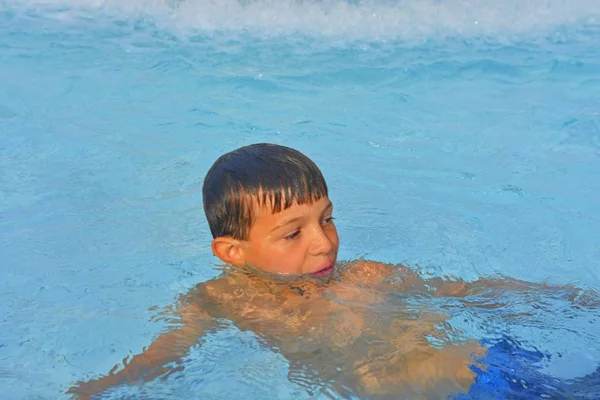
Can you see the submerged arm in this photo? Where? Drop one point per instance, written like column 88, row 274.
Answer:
column 497, row 285
column 483, row 286
column 153, row 362
column 400, row 277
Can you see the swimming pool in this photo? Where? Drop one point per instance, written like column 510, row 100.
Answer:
column 459, row 136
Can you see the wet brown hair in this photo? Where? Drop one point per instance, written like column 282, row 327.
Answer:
column 266, row 174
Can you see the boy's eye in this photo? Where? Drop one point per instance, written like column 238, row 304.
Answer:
column 328, row 220
column 292, row 235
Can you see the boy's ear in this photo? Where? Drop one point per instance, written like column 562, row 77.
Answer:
column 228, row 250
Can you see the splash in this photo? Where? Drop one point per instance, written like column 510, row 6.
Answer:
column 348, row 19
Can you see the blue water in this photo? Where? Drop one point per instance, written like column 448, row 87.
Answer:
column 460, row 137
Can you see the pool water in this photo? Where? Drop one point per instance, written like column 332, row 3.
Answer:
column 458, row 137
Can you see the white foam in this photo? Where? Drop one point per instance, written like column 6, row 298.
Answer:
column 348, row 19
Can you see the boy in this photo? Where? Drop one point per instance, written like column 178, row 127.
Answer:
column 272, row 222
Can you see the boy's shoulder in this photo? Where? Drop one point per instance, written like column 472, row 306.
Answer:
column 212, row 290
column 373, row 273
column 367, row 271
column 227, row 290
column 204, row 301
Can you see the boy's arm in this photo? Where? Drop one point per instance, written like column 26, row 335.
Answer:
column 169, row 347
column 497, row 285
column 494, row 286
column 404, row 278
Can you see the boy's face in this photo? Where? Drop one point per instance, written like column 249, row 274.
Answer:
column 299, row 240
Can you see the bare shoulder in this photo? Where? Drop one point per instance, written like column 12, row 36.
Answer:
column 367, row 271
column 199, row 303
column 222, row 297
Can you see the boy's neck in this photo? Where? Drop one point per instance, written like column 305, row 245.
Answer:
column 298, row 283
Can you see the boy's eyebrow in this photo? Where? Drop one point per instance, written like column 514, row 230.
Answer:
column 286, row 222
column 289, row 221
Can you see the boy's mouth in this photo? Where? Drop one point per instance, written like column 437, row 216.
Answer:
column 324, row 271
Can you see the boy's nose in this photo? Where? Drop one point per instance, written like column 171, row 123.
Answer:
column 321, row 243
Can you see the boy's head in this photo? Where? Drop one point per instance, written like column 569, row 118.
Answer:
column 268, row 207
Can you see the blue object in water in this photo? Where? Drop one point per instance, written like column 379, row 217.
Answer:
column 510, row 372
